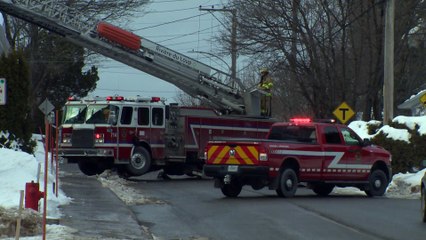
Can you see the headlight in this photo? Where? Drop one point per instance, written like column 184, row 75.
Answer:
column 66, row 138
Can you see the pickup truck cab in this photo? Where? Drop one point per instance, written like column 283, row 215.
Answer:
column 321, row 154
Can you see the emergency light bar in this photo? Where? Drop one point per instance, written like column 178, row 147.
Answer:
column 115, row 98
column 300, row 120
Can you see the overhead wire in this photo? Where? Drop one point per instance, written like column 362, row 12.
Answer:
column 169, row 11
column 187, row 34
column 174, row 21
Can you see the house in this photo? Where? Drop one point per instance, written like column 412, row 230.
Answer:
column 417, row 104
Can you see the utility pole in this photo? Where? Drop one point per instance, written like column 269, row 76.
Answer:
column 233, row 39
column 388, row 83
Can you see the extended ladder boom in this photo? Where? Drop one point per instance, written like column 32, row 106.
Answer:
column 195, row 78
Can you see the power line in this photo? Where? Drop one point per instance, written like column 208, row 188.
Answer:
column 172, row 35
column 169, row 11
column 174, row 21
column 188, row 34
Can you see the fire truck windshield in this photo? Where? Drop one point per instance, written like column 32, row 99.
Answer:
column 75, row 113
column 100, row 113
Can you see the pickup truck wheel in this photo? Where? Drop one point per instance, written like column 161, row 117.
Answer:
column 423, row 199
column 140, row 163
column 323, row 189
column 377, row 183
column 288, row 182
column 232, row 189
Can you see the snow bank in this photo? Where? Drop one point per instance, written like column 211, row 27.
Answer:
column 18, row 168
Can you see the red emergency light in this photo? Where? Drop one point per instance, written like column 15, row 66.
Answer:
column 155, row 99
column 72, row 98
column 116, row 98
column 300, row 120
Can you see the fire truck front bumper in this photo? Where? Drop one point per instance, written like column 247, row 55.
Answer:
column 220, row 171
column 85, row 152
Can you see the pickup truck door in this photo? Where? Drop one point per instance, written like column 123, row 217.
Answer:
column 345, row 159
column 357, row 159
column 334, row 150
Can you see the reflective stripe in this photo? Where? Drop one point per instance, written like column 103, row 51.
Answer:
column 334, row 164
column 244, row 155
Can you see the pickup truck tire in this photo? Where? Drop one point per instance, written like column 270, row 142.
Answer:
column 423, row 203
column 377, row 183
column 140, row 162
column 323, row 189
column 232, row 189
column 287, row 184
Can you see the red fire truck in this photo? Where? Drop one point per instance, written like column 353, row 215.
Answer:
column 144, row 134
column 139, row 134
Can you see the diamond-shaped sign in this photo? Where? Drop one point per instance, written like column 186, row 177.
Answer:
column 343, row 112
column 46, row 106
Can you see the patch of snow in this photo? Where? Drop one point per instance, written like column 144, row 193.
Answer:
column 122, row 188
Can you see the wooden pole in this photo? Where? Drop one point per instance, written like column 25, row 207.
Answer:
column 18, row 221
column 388, row 81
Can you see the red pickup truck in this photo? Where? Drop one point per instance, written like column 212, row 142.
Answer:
column 321, row 154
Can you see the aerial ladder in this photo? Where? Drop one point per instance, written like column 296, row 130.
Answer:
column 191, row 76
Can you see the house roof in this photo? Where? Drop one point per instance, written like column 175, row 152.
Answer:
column 413, row 102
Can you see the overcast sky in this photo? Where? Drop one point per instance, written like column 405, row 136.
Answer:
column 182, row 36
column 162, row 21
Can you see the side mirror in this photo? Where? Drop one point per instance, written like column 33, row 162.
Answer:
column 366, row 142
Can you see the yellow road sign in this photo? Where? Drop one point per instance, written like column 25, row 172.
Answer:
column 423, row 99
column 343, row 112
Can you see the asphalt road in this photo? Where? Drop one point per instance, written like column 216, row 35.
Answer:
column 193, row 209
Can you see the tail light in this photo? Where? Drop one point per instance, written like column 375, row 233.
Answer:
column 99, row 138
column 263, row 155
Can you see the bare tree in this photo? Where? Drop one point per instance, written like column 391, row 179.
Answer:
column 322, row 53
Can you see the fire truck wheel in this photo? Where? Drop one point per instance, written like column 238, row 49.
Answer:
column 323, row 189
column 288, row 182
column 423, row 199
column 140, row 163
column 89, row 168
column 377, row 183
column 233, row 189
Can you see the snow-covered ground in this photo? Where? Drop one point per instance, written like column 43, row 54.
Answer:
column 18, row 168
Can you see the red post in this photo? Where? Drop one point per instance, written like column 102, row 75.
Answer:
column 46, row 172
column 32, row 195
column 56, row 151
